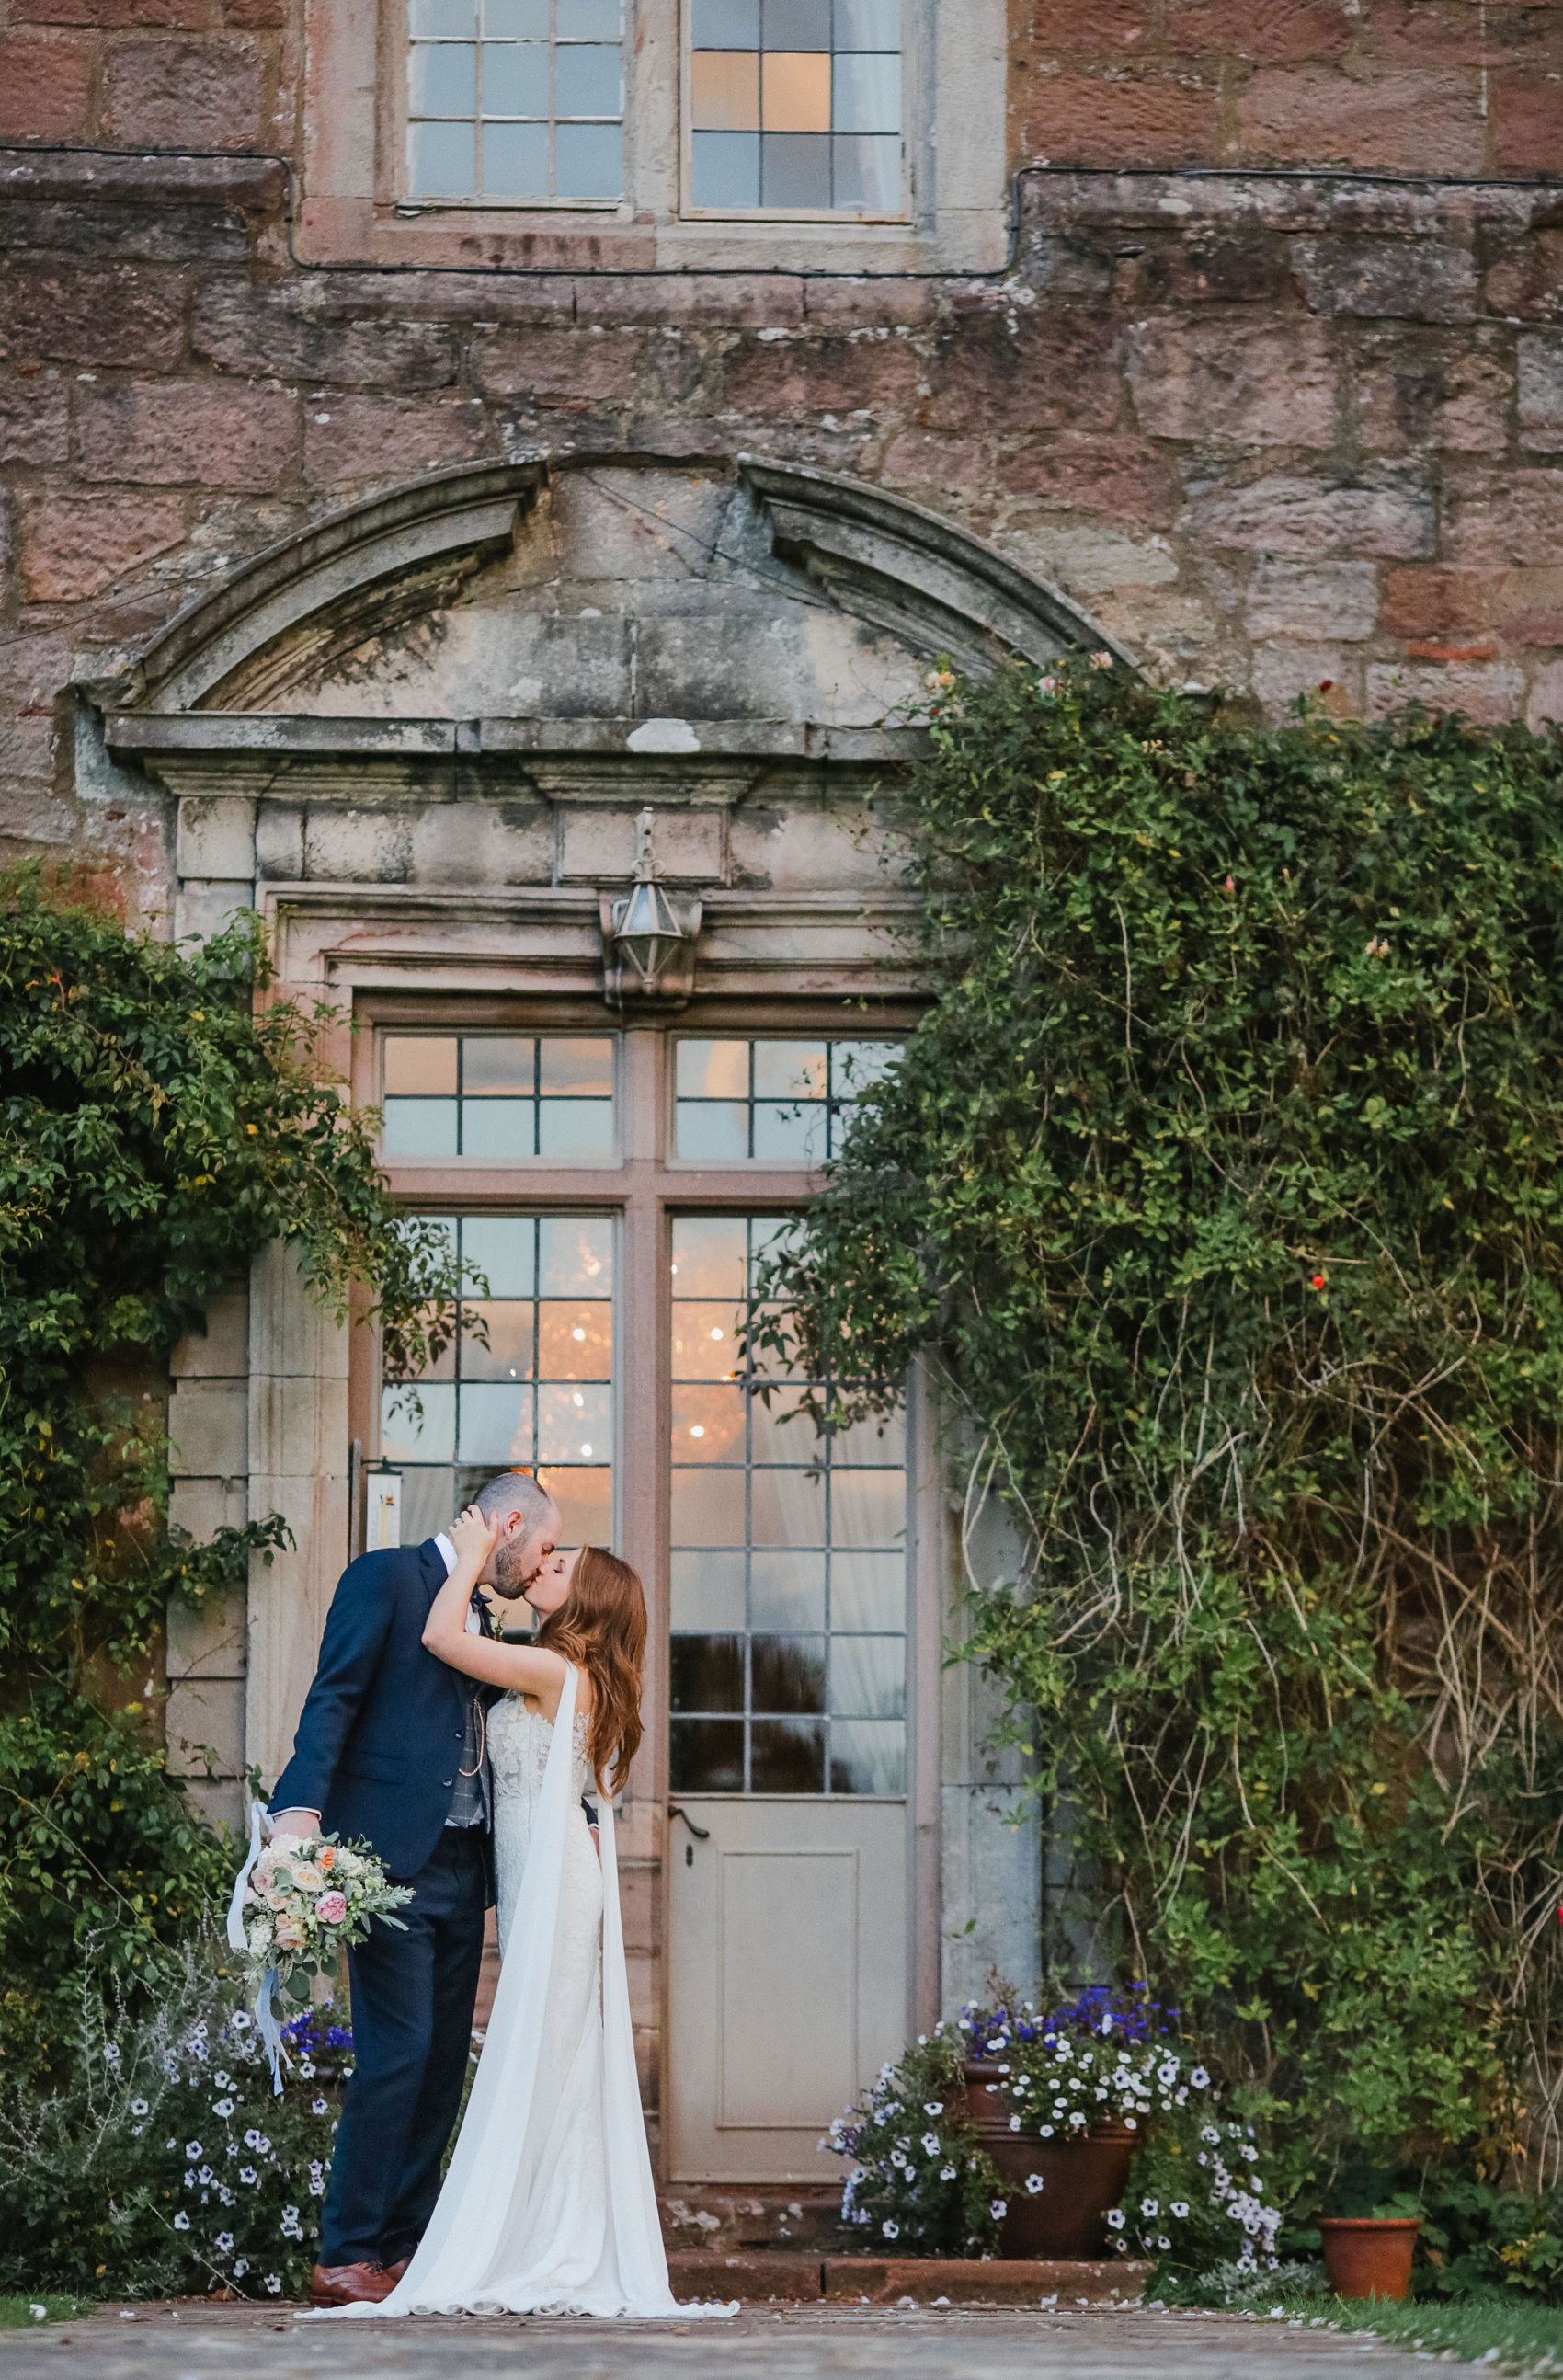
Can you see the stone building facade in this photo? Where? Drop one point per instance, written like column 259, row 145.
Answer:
column 404, row 488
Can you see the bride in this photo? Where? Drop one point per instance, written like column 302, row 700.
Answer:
column 548, row 2203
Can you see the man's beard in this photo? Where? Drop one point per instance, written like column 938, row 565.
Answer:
column 510, row 1580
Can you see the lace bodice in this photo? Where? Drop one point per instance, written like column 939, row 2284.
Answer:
column 519, row 1742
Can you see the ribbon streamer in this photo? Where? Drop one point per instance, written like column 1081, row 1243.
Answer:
column 270, row 2031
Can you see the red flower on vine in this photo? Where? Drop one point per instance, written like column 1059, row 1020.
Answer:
column 1318, row 1280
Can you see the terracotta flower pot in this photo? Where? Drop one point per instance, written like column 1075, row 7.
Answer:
column 1369, row 2255
column 1081, row 2178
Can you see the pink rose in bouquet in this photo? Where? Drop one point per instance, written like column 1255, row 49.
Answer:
column 332, row 1908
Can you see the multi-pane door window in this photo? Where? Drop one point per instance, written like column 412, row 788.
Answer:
column 526, row 1382
column 788, row 1661
column 498, row 1094
column 770, row 1102
column 795, row 106
column 516, row 99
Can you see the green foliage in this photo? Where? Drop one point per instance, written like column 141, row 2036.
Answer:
column 918, row 2184
column 1221, row 1185
column 1487, row 2238
column 158, row 1124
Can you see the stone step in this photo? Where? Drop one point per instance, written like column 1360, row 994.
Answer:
column 760, row 2275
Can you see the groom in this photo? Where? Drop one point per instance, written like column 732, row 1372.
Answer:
column 391, row 1746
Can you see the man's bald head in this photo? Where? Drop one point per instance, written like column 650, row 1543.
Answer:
column 527, row 1520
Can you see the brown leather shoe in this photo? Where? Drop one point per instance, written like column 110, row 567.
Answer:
column 393, row 2272
column 350, row 2284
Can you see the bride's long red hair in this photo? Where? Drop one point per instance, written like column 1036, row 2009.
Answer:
column 600, row 1626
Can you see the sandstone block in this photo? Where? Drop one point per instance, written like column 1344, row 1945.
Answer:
column 825, row 375
column 208, row 1428
column 174, row 95
column 141, row 15
column 1312, row 602
column 34, row 421
column 1207, row 268
column 1489, row 692
column 737, row 301
column 216, row 835
column 1062, row 373
column 390, row 438
column 205, row 1723
column 209, row 1644
column 1545, row 707
column 1499, row 516
column 591, row 364
column 1385, row 509
column 1527, row 121
column 1092, row 562
column 167, row 432
column 1439, row 602
column 294, row 332
column 93, row 315
column 1123, row 119
column 1282, row 672
column 1108, row 29
column 279, row 842
column 33, row 671
column 1540, row 389
column 1402, row 118
column 483, row 843
column 221, row 1350
column 27, row 750
column 1526, row 279
column 201, row 1507
column 1252, row 384
column 358, row 845
column 847, row 305
column 1417, row 281
column 255, row 15
column 75, row 546
column 919, row 459
column 1287, row 29
column 599, row 845
column 45, row 88
column 1125, row 477
column 1417, row 390
column 973, row 2281
column 205, row 906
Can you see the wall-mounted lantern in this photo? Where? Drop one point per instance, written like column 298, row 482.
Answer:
column 648, row 936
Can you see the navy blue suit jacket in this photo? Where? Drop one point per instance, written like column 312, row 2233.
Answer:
column 381, row 1734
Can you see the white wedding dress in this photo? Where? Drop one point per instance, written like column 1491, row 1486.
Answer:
column 549, row 2206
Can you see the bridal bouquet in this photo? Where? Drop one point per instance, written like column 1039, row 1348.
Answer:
column 305, row 1901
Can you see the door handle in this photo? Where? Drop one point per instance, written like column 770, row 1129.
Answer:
column 701, row 1834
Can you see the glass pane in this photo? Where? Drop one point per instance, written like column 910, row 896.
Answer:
column 867, row 24
column 407, row 1437
column 516, row 159
column 575, row 1128
column 580, row 1070
column 868, row 1590
column 424, row 1065
column 507, row 1326
column 725, row 24
column 515, row 83
column 868, row 172
column 516, row 20
column 868, row 1508
column 711, row 1070
column 496, row 1424
column 797, row 24
column 586, row 1504
column 451, row 20
column 498, row 1249
column 575, row 1342
column 428, row 1502
column 866, row 94
column 788, row 1507
column 704, row 1342
column 855, row 1065
column 419, row 1128
column 790, row 1070
column 576, row 1425
column 589, row 20
column 708, row 1256
column 588, row 161
column 786, row 1591
column 714, row 1131
column 786, row 1755
column 880, row 1438
column 706, row 1756
column 796, row 88
column 867, row 1755
column 442, row 78
column 501, row 1128
column 790, row 1135
column 586, row 80
column 787, row 1673
column 724, row 92
column 707, row 1424
column 706, row 1673
column 708, row 1508
column 796, row 170
column 443, row 1366
column 780, row 1433
column 576, row 1255
column 869, row 1676
column 499, row 1062
column 442, row 160
column 707, row 1590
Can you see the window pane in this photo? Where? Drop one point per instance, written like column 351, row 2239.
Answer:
column 708, row 1257
column 442, row 78
column 499, row 1249
column 499, row 1062
column 880, row 1438
column 405, row 1437
column 792, row 1070
column 586, row 79
column 780, row 1433
column 796, row 170
column 586, row 1504
column 516, row 159
column 496, row 1424
column 786, row 1591
column 708, row 1508
column 786, row 1755
column 421, row 1128
column 516, row 20
column 787, row 1673
column 790, row 1135
column 714, row 1131
column 869, row 1676
column 581, row 1070
column 508, row 1325
column 724, row 92
column 706, row 1673
column 587, row 162
column 868, row 1508
column 866, row 94
column 788, row 1507
column 575, row 1342
column 704, row 1342
column 707, row 1590
column 797, row 24
column 706, row 1755
column 502, row 1128
column 442, row 160
column 868, row 1590
column 725, row 24
column 589, row 20
column 867, row 173
column 867, row 24
column 796, row 92
column 515, row 83
column 451, row 20
column 443, row 1366
column 575, row 1128
column 868, row 1756
column 428, row 1502
column 576, row 1255
column 574, row 1424
column 707, row 1424
column 423, row 1065
column 711, row 1070
column 855, row 1065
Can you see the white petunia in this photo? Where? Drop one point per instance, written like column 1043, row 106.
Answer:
column 181, row 2221
column 248, row 2174
column 1014, row 2123
column 1180, row 2209
column 998, row 2208
column 947, row 2173
column 140, row 2108
column 931, row 2144
column 933, row 2107
column 224, row 2108
column 1115, row 2219
column 1151, row 2207
column 317, row 2106
column 891, row 2231
column 192, row 2148
column 224, row 2243
column 1200, row 2079
column 273, row 2283
column 1034, row 2183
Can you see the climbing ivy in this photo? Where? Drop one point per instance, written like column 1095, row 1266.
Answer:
column 1221, row 1186
column 160, row 1122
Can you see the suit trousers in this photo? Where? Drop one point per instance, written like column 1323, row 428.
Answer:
column 413, row 2000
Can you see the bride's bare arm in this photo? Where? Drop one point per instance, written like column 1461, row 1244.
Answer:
column 521, row 1669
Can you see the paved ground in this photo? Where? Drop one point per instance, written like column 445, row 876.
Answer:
column 800, row 2343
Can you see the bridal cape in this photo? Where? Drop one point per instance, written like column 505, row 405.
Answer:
column 474, row 2258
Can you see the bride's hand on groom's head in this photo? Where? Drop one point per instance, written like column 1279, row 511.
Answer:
column 471, row 1535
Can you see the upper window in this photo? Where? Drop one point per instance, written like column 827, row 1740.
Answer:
column 770, row 1102
column 498, row 1096
column 794, row 107
column 517, row 99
